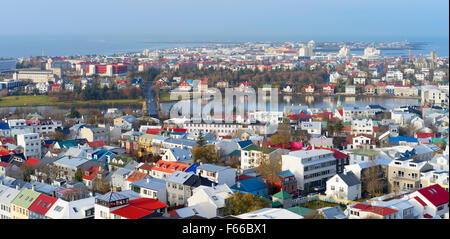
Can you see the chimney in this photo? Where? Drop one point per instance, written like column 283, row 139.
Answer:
column 239, row 184
column 148, row 180
column 17, row 187
column 33, row 187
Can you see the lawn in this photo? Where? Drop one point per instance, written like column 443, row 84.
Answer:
column 316, row 204
column 29, row 100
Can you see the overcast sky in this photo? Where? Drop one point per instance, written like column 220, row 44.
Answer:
column 224, row 19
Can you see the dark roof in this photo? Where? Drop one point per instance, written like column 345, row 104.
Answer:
column 349, row 178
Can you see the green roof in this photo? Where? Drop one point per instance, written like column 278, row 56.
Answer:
column 254, row 147
column 282, row 195
column 276, row 204
column 34, row 116
column 235, row 153
column 67, row 143
column 302, row 211
column 25, row 198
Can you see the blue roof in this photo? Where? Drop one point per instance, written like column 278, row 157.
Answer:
column 285, row 174
column 245, row 143
column 130, row 118
column 403, row 138
column 250, row 185
column 50, row 141
column 150, row 183
column 192, row 168
column 4, row 126
column 212, row 167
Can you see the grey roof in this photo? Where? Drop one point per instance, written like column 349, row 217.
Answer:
column 185, row 142
column 333, row 212
column 122, row 171
column 211, row 167
column 181, row 154
column 71, row 162
column 151, row 183
column 179, row 177
column 112, row 196
column 349, row 178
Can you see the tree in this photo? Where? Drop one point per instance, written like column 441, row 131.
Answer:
column 239, row 203
column 100, row 186
column 372, row 178
column 60, row 136
column 206, row 154
column 268, row 167
column 200, row 140
column 280, row 139
column 74, row 113
column 79, row 175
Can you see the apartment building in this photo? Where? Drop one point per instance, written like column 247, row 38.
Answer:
column 404, row 173
column 95, row 134
column 312, row 168
column 31, row 144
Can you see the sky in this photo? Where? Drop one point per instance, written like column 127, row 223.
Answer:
column 229, row 19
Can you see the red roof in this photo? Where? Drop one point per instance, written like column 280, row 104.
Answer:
column 42, row 204
column 420, row 201
column 96, row 144
column 424, row 135
column 153, row 131
column 91, row 173
column 31, row 162
column 147, row 203
column 135, row 176
column 139, row 208
column 383, row 211
column 426, row 215
column 6, row 152
column 169, row 167
column 146, row 167
column 436, row 194
column 3, row 164
column 132, row 212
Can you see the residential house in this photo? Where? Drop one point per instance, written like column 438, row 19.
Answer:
column 344, row 186
column 431, row 201
column 211, row 200
column 217, row 174
column 151, row 188
column 255, row 186
column 180, row 186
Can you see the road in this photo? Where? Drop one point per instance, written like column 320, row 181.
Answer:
column 152, row 109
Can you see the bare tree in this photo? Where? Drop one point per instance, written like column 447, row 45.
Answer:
column 373, row 180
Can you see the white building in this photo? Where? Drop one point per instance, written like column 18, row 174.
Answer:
column 311, row 168
column 95, row 134
column 7, row 194
column 217, row 174
column 434, row 96
column 270, row 213
column 211, row 200
column 313, row 128
column 362, row 126
column 36, row 76
column 344, row 186
column 31, row 144
column 430, row 202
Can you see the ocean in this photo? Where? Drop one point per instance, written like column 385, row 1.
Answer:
column 24, row 46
